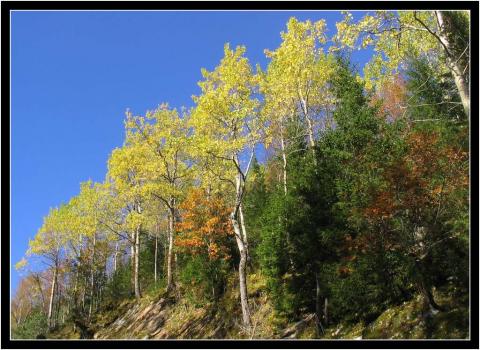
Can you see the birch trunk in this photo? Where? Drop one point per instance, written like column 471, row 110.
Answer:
column 92, row 277
column 244, row 230
column 311, row 138
column 156, row 256
column 284, row 157
column 56, row 307
column 171, row 219
column 240, row 236
column 242, row 273
column 454, row 64
column 52, row 296
column 115, row 257
column 132, row 260
column 137, row 259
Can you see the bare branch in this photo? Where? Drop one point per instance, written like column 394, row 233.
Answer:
column 432, row 32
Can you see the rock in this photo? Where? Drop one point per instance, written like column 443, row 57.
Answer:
column 338, row 330
column 298, row 327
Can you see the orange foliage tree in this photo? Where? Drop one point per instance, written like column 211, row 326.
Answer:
column 414, row 211
column 419, row 183
column 392, row 98
column 205, row 227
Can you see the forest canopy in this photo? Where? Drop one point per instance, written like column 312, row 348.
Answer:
column 361, row 203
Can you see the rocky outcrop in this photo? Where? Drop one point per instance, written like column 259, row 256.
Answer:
column 140, row 321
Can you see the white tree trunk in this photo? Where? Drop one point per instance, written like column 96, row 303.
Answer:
column 284, row 157
column 156, row 256
column 52, row 296
column 242, row 247
column 242, row 272
column 171, row 218
column 244, row 229
column 115, row 257
column 92, row 277
column 137, row 260
column 311, row 137
column 132, row 260
column 459, row 73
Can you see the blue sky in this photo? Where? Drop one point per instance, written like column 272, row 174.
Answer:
column 75, row 73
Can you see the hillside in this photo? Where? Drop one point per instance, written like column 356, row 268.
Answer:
column 306, row 200
column 166, row 318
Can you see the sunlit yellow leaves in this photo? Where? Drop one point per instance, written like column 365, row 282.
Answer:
column 54, row 233
column 394, row 36
column 226, row 119
column 299, row 70
column 21, row 264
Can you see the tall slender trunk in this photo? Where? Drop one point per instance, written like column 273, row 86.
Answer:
column 137, row 259
column 244, row 230
column 170, row 267
column 56, row 308
column 132, row 260
column 115, row 257
column 156, row 255
column 92, row 276
column 325, row 311
column 242, row 272
column 84, row 293
column 318, row 307
column 52, row 296
column 453, row 63
column 240, row 236
column 311, row 137
column 284, row 157
column 310, row 134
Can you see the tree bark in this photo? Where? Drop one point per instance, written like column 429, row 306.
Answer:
column 156, row 256
column 56, row 307
column 52, row 296
column 325, row 311
column 132, row 260
column 311, row 138
column 284, row 157
column 244, row 230
column 137, row 260
column 115, row 257
column 318, row 307
column 425, row 289
column 92, row 277
column 240, row 236
column 242, row 273
column 453, row 63
column 170, row 267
